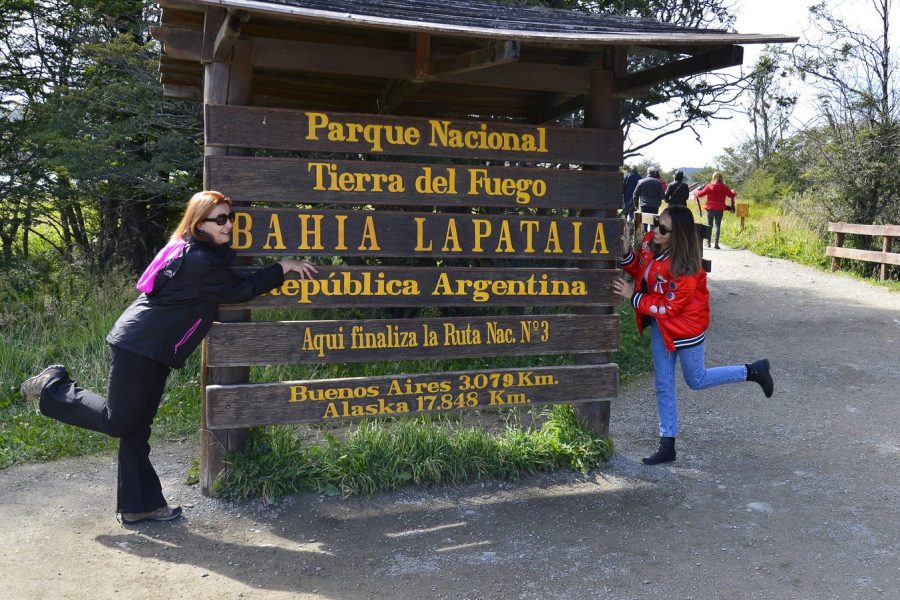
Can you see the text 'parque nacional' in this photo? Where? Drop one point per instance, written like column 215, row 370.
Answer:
column 440, row 133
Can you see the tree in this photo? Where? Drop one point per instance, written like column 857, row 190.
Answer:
column 92, row 148
column 853, row 151
column 678, row 104
column 770, row 105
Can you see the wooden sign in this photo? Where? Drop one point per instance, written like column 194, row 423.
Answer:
column 249, row 405
column 742, row 210
column 304, row 130
column 344, row 287
column 313, row 181
column 303, row 342
column 258, row 231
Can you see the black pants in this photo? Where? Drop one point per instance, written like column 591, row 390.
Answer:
column 135, row 389
column 714, row 216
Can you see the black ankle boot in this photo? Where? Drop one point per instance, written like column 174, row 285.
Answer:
column 759, row 372
column 664, row 453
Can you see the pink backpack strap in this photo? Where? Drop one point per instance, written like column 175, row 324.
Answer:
column 169, row 252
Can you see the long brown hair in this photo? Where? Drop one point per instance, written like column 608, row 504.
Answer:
column 198, row 208
column 684, row 246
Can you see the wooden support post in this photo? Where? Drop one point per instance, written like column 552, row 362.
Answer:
column 227, row 82
column 885, row 247
column 836, row 260
column 601, row 110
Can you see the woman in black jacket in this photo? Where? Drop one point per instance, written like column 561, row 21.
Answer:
column 182, row 288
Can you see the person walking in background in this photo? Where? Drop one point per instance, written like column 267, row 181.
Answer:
column 670, row 296
column 628, row 184
column 648, row 193
column 716, row 192
column 661, row 181
column 181, row 291
column 678, row 191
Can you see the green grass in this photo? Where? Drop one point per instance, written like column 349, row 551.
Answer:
column 769, row 231
column 381, row 455
column 67, row 322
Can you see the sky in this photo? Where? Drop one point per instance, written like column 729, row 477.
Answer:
column 788, row 17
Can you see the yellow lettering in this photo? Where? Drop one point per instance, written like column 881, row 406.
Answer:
column 553, row 240
column 241, row 232
column 315, row 232
column 420, row 235
column 599, row 239
column 482, row 231
column 314, row 122
column 274, row 235
column 341, row 220
column 369, row 236
column 451, row 239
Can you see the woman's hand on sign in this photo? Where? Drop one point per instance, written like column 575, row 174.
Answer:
column 302, row 267
column 623, row 288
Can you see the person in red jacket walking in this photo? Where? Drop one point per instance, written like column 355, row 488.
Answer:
column 716, row 191
column 670, row 296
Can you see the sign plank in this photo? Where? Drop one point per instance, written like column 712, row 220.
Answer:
column 346, row 287
column 304, row 130
column 259, row 231
column 331, row 399
column 326, row 181
column 303, row 342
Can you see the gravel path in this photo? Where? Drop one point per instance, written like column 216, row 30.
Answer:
column 796, row 496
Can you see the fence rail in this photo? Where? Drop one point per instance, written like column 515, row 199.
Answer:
column 885, row 257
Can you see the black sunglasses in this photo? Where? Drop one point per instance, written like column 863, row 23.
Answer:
column 222, row 218
column 663, row 230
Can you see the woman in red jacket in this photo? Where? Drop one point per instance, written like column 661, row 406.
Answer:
column 670, row 295
column 716, row 191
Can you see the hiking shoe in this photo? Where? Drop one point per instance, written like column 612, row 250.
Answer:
column 163, row 513
column 33, row 386
column 759, row 372
column 665, row 452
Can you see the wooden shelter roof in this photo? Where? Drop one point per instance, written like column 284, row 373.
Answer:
column 428, row 57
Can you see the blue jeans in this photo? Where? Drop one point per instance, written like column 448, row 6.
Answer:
column 696, row 375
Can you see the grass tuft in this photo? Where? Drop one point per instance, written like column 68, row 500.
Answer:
column 384, row 455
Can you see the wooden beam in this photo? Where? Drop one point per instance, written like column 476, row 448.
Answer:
column 228, row 34
column 395, row 93
column 212, row 22
column 226, row 82
column 307, row 57
column 637, row 83
column 422, row 56
column 557, row 107
column 489, row 56
column 182, row 92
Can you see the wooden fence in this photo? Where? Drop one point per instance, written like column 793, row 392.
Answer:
column 885, row 257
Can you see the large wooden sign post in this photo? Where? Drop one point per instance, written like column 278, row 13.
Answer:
column 422, row 150
column 542, row 247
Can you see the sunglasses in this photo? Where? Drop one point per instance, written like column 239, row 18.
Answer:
column 663, row 230
column 222, row 218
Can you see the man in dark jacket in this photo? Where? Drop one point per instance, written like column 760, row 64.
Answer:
column 628, row 185
column 678, row 191
column 648, row 194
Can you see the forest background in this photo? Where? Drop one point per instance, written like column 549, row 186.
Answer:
column 95, row 165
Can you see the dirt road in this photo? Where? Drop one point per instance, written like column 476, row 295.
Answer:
column 797, row 496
